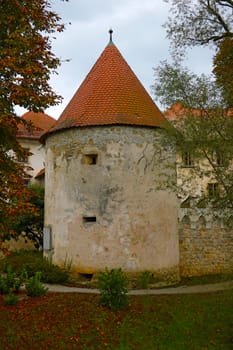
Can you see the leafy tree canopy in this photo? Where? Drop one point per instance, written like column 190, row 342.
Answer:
column 202, row 124
column 30, row 225
column 199, row 22
column 26, row 62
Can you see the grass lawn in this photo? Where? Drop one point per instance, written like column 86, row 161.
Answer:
column 77, row 321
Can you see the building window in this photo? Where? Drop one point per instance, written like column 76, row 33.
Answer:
column 89, row 219
column 90, row 159
column 213, row 190
column 187, row 159
column 218, row 158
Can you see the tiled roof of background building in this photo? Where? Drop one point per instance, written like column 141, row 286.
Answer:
column 40, row 122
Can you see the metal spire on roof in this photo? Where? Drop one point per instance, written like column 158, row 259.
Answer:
column 110, row 33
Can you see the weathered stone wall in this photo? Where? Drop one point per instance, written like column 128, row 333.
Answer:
column 117, row 212
column 206, row 244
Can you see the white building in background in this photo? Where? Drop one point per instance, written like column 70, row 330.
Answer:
column 30, row 140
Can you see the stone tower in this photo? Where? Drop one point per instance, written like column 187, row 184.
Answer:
column 106, row 201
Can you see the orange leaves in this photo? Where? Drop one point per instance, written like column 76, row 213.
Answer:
column 25, row 52
column 26, row 61
column 223, row 68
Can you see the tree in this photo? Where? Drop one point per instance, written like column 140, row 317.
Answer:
column 26, row 62
column 30, row 225
column 199, row 22
column 205, row 22
column 223, row 69
column 202, row 124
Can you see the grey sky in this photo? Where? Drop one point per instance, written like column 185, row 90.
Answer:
column 138, row 34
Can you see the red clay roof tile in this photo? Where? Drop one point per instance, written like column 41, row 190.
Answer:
column 41, row 123
column 110, row 94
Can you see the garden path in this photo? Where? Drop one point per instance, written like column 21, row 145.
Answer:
column 204, row 288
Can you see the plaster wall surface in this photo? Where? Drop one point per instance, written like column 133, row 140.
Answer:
column 37, row 159
column 193, row 180
column 117, row 212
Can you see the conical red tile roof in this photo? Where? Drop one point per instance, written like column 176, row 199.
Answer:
column 110, row 94
column 41, row 123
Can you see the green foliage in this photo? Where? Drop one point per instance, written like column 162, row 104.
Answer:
column 33, row 261
column 30, row 225
column 34, row 287
column 201, row 22
column 3, row 285
column 175, row 83
column 11, row 282
column 11, row 299
column 112, row 285
column 145, row 279
column 49, row 273
column 200, row 125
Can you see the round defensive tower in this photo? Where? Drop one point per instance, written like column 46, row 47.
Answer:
column 107, row 199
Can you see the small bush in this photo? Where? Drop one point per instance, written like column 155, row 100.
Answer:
column 3, row 285
column 49, row 273
column 33, row 261
column 34, row 287
column 113, row 289
column 11, row 282
column 19, row 258
column 145, row 279
column 11, row 299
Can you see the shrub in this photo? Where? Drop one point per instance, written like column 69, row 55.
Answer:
column 49, row 273
column 3, row 285
column 34, row 287
column 113, row 289
column 145, row 279
column 11, row 282
column 10, row 299
column 19, row 258
column 33, row 261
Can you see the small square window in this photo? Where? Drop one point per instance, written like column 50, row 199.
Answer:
column 187, row 159
column 90, row 159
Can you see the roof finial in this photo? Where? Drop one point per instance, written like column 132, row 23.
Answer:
column 110, row 33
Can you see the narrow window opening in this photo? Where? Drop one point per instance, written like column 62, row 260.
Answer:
column 188, row 160
column 218, row 158
column 86, row 276
column 90, row 159
column 213, row 190
column 87, row 219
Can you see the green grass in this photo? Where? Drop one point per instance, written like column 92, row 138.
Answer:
column 74, row 321
column 207, row 279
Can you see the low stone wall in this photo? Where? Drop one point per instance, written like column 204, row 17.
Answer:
column 206, row 245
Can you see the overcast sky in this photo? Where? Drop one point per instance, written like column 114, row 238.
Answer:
column 137, row 32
